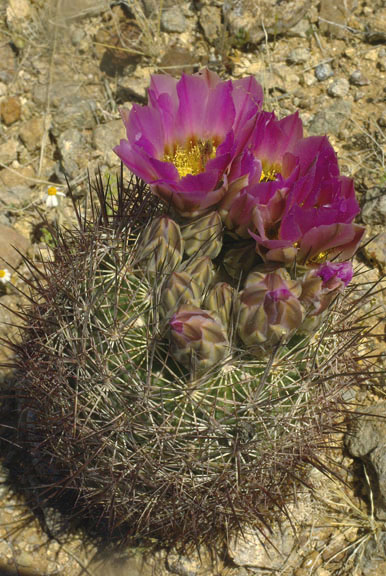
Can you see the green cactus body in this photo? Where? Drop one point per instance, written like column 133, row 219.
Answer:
column 159, row 435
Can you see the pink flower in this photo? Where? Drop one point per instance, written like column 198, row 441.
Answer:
column 310, row 217
column 184, row 141
column 271, row 141
column 321, row 285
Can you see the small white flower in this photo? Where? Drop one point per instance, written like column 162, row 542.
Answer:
column 51, row 197
column 5, row 275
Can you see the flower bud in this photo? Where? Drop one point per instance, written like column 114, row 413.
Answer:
column 203, row 236
column 198, row 338
column 160, row 248
column 202, row 271
column 220, row 299
column 320, row 286
column 269, row 308
column 179, row 289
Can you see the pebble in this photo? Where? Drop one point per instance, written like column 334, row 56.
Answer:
column 331, row 119
column 172, row 20
column 10, row 110
column 210, row 21
column 105, row 137
column 12, row 245
column 339, row 88
column 72, row 145
column 299, row 56
column 8, row 151
column 358, row 79
column 7, row 63
column 323, row 71
column 31, row 133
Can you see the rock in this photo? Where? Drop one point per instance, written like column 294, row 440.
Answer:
column 358, row 79
column 7, row 63
column 194, row 564
column 210, row 22
column 31, row 133
column 15, row 196
column 19, row 176
column 366, row 439
column 8, row 151
column 72, row 146
column 375, row 252
column 300, row 30
column 179, row 59
column 80, row 116
column 105, row 137
column 244, row 18
column 173, row 20
column 11, row 243
column 374, row 208
column 81, row 8
column 10, row 110
column 253, row 550
column 333, row 17
column 132, row 88
column 277, row 76
column 339, row 88
column 18, row 11
column 323, row 71
column 375, row 32
column 299, row 56
column 331, row 119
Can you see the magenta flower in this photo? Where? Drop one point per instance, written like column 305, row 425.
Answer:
column 310, row 217
column 268, row 169
column 184, row 141
column 321, row 285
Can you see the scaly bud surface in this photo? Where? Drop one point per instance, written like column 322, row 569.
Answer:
column 220, row 299
column 203, row 236
column 269, row 308
column 202, row 271
column 160, row 248
column 198, row 338
column 180, row 289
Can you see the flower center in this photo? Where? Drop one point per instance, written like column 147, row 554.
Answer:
column 269, row 174
column 52, row 191
column 2, row 273
column 192, row 158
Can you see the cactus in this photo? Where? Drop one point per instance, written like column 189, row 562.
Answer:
column 151, row 409
column 188, row 346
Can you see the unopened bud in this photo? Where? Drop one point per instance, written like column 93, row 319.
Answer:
column 220, row 299
column 198, row 338
column 179, row 289
column 202, row 271
column 203, row 236
column 269, row 309
column 160, row 248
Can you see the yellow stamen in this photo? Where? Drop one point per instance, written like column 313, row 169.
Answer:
column 192, row 158
column 3, row 273
column 319, row 258
column 269, row 173
column 52, row 191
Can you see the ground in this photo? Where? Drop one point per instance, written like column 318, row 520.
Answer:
column 65, row 70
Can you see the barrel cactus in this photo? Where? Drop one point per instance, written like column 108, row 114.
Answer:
column 180, row 365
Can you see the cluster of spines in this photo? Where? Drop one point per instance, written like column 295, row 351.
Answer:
column 158, row 452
